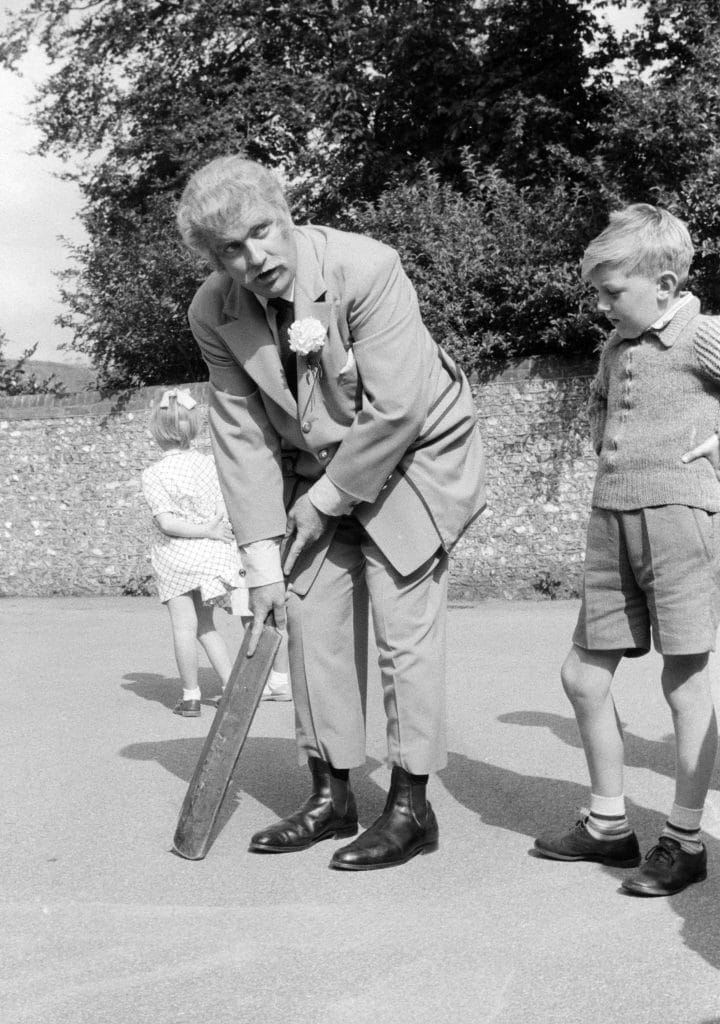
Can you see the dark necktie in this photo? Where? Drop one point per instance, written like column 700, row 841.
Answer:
column 284, row 315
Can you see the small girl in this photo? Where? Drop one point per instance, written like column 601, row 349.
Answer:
column 194, row 557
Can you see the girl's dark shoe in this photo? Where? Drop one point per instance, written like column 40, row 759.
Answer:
column 667, row 869
column 576, row 843
column 187, row 708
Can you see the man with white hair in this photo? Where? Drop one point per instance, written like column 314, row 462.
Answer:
column 348, row 450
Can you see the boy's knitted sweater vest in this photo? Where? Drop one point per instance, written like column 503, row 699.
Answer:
column 654, row 398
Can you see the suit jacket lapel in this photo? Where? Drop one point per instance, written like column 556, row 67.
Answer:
column 310, row 290
column 248, row 333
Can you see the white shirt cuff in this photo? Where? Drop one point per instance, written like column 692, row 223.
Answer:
column 330, row 499
column 261, row 561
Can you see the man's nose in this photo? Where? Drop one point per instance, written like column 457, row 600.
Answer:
column 253, row 253
column 602, row 304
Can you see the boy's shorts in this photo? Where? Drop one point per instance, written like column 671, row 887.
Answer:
column 649, row 568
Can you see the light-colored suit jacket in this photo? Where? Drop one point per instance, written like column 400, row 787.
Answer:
column 390, row 418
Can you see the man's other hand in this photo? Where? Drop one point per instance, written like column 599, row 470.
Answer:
column 305, row 525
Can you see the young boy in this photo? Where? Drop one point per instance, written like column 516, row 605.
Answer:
column 653, row 549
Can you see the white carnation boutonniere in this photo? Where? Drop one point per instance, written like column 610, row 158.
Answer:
column 307, row 338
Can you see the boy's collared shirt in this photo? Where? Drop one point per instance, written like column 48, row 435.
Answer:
column 664, row 320
column 659, row 327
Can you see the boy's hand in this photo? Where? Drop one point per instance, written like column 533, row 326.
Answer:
column 262, row 600
column 305, row 524
column 709, row 449
column 219, row 528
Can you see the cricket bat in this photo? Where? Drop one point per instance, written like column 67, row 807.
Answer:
column 224, row 744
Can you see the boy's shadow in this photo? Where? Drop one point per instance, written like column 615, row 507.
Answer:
column 267, row 771
column 656, row 755
column 529, row 805
column 166, row 690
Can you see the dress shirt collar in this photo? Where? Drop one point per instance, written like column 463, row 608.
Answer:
column 289, row 296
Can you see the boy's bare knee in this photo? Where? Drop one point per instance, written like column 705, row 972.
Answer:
column 586, row 675
column 686, row 682
column 572, row 678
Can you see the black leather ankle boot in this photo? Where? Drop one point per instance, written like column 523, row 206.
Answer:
column 406, row 827
column 328, row 812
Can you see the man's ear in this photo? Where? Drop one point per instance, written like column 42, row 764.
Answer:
column 667, row 285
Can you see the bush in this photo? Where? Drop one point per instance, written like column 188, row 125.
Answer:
column 495, row 268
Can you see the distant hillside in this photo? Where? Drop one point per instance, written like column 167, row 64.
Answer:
column 73, row 377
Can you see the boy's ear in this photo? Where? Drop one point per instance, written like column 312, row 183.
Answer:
column 667, row 284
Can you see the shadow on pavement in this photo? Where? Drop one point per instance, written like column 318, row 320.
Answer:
column 506, row 799
column 696, row 905
column 167, row 690
column 657, row 755
column 267, row 771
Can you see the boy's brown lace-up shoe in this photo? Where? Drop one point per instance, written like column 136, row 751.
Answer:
column 577, row 844
column 667, row 869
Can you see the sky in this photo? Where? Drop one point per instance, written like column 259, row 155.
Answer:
column 36, row 210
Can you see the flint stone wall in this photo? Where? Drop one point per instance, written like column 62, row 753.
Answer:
column 73, row 519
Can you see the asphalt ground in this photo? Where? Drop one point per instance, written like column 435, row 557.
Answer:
column 100, row 922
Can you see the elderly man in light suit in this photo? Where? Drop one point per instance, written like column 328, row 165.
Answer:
column 351, row 462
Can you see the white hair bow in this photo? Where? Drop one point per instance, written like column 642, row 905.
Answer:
column 183, row 398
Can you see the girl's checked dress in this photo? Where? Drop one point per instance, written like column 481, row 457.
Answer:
column 184, row 483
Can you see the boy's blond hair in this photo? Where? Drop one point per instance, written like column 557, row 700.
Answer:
column 174, row 426
column 642, row 239
column 219, row 194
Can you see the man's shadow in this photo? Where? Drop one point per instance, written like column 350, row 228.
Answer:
column 531, row 805
column 267, row 771
column 167, row 690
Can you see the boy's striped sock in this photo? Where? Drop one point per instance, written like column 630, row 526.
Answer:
column 683, row 824
column 606, row 818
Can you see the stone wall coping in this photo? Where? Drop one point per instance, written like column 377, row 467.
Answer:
column 99, row 403
column 88, row 403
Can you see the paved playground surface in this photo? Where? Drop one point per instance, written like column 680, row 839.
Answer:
column 101, row 924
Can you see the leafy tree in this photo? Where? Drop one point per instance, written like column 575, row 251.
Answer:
column 661, row 142
column 671, row 33
column 544, row 84
column 362, row 105
column 144, row 92
column 127, row 303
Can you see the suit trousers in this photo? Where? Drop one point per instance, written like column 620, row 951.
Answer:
column 328, row 648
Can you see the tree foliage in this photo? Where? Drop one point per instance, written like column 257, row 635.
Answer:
column 491, row 286
column 127, row 304
column 15, row 379
column 487, row 141
column 662, row 138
